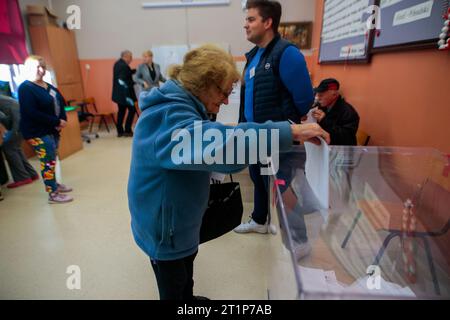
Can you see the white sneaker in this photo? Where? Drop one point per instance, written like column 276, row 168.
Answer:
column 301, row 250
column 251, row 226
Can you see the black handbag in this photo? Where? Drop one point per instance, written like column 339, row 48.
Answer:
column 224, row 212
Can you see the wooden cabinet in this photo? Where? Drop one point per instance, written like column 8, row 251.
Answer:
column 70, row 136
column 71, row 91
column 58, row 47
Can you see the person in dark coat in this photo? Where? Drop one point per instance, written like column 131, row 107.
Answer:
column 334, row 114
column 123, row 93
column 21, row 170
column 3, row 173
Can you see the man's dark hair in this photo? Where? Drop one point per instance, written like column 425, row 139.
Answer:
column 267, row 9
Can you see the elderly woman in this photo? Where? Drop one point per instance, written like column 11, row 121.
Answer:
column 168, row 190
column 148, row 74
column 42, row 117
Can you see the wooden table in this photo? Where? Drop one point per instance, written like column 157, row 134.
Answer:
column 71, row 135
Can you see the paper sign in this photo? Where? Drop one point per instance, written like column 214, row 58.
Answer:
column 418, row 12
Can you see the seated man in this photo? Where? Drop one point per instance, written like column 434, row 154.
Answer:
column 3, row 173
column 21, row 170
column 334, row 114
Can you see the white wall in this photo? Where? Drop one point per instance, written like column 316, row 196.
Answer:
column 110, row 26
column 298, row 10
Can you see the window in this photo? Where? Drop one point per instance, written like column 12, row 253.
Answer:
column 14, row 74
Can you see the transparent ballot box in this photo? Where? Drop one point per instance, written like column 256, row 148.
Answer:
column 359, row 223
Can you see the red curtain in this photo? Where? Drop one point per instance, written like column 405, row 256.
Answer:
column 13, row 49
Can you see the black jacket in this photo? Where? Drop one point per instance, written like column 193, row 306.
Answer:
column 10, row 108
column 120, row 93
column 341, row 122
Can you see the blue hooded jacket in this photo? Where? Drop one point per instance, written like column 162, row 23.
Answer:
column 167, row 197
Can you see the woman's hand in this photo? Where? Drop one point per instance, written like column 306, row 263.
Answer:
column 309, row 132
column 62, row 124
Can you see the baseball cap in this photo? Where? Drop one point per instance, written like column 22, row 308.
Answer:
column 327, row 84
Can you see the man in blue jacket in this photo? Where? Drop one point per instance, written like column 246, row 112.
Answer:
column 276, row 87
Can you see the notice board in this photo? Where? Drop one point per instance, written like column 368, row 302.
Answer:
column 345, row 36
column 409, row 23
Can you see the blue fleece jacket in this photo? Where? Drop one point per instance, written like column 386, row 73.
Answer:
column 167, row 199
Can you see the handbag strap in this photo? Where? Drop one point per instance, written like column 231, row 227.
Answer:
column 219, row 182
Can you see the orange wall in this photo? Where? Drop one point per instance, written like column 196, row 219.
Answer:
column 402, row 97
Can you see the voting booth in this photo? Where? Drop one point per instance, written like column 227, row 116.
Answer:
column 375, row 219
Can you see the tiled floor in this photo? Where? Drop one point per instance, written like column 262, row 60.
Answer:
column 38, row 241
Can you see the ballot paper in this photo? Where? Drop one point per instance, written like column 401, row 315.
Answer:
column 317, row 172
column 309, row 117
column 313, row 280
column 321, row 281
column 334, row 286
column 383, row 288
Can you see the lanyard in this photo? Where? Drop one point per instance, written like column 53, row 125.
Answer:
column 53, row 94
